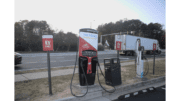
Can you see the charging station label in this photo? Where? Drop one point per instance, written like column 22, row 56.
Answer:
column 90, row 39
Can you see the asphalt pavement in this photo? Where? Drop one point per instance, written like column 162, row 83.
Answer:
column 32, row 61
column 158, row 94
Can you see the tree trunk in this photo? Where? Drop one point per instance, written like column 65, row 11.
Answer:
column 68, row 47
column 57, row 48
column 29, row 48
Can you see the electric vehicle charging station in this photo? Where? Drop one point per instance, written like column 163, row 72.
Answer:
column 139, row 62
column 87, row 60
column 139, row 59
column 88, row 44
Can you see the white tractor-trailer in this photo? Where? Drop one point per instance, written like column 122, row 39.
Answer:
column 128, row 44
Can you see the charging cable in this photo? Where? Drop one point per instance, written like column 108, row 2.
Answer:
column 73, row 76
column 105, row 80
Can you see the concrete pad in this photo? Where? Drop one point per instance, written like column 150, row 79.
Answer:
column 20, row 78
column 91, row 88
column 88, row 97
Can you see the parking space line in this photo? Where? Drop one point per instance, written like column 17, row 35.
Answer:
column 126, row 96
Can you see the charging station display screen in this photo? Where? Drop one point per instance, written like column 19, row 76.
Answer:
column 89, row 53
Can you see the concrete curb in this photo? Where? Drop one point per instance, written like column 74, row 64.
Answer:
column 131, row 88
column 120, row 90
column 137, row 93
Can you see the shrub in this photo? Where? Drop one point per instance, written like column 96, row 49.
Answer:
column 100, row 47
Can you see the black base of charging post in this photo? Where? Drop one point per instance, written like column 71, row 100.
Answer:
column 49, row 73
column 154, row 64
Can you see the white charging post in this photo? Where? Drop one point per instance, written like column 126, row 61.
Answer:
column 139, row 62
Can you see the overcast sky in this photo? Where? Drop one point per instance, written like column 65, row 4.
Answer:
column 71, row 15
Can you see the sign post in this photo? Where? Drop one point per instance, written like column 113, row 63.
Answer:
column 47, row 41
column 154, row 49
column 118, row 46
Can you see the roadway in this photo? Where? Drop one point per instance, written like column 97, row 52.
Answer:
column 158, row 95
column 32, row 61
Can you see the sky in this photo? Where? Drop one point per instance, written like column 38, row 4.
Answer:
column 72, row 15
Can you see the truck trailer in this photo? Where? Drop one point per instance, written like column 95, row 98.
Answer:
column 128, row 44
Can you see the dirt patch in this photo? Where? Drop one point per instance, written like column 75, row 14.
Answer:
column 39, row 90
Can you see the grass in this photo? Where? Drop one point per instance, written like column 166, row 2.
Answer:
column 38, row 89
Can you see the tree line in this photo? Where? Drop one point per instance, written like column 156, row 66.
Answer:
column 28, row 37
column 152, row 30
column 28, row 34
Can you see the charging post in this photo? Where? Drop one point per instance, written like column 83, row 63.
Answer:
column 88, row 44
column 140, row 62
column 118, row 47
column 47, row 42
column 87, row 62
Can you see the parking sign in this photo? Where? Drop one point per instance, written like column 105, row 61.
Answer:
column 118, row 45
column 47, row 41
column 154, row 46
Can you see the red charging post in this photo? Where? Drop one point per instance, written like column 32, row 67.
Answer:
column 47, row 42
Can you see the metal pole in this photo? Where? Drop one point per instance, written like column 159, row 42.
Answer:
column 49, row 73
column 154, row 63
column 101, row 39
column 119, row 63
column 118, row 56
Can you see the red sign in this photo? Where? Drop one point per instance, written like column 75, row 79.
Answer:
column 118, row 45
column 154, row 46
column 47, row 42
